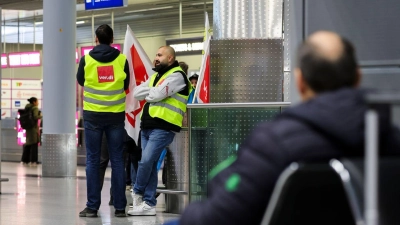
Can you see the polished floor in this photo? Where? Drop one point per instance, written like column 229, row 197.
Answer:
column 29, row 198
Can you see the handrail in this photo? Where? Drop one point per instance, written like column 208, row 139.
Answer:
column 239, row 105
column 172, row 191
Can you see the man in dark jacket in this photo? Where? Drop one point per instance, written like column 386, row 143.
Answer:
column 328, row 124
column 104, row 74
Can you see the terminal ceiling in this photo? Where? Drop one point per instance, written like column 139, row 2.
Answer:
column 24, row 13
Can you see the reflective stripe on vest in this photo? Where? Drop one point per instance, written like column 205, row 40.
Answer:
column 104, row 85
column 170, row 109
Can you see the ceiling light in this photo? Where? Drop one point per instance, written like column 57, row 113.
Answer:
column 77, row 22
column 151, row 9
column 201, row 3
column 94, row 15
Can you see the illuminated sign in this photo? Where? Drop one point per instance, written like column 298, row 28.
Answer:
column 85, row 50
column 5, row 103
column 5, row 93
column 26, row 84
column 5, row 113
column 76, row 55
column 21, row 103
column 104, row 4
column 187, row 46
column 27, row 94
column 4, row 61
column 5, row 84
column 24, row 59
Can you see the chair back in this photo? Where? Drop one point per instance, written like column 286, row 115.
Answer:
column 309, row 194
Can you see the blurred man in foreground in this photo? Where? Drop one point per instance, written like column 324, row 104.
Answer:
column 328, row 124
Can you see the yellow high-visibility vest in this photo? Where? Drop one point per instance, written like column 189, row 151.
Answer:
column 173, row 108
column 104, row 85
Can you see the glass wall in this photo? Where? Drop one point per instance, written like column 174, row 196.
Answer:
column 216, row 134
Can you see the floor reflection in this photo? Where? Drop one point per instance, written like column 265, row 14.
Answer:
column 29, row 198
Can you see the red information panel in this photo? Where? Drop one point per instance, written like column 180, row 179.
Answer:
column 24, row 59
column 4, row 61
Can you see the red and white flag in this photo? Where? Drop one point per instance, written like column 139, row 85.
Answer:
column 140, row 68
column 203, row 83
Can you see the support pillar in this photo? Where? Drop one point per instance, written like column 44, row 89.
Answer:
column 59, row 150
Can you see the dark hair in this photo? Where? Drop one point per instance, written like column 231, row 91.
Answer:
column 322, row 74
column 105, row 34
column 184, row 67
column 194, row 76
column 32, row 100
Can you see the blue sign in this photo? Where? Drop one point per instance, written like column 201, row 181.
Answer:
column 17, row 103
column 104, row 4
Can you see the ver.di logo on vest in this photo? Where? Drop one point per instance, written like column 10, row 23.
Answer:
column 105, row 74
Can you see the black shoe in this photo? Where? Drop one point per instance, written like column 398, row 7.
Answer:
column 120, row 213
column 88, row 213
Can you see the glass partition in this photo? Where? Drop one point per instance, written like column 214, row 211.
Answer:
column 215, row 134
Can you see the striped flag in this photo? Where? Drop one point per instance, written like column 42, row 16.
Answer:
column 140, row 68
column 203, row 83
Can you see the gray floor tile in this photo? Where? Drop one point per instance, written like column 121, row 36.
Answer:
column 29, row 198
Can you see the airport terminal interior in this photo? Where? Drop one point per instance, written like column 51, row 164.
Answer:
column 244, row 52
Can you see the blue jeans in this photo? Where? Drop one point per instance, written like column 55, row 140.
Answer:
column 153, row 143
column 172, row 222
column 115, row 140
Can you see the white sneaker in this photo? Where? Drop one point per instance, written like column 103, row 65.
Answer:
column 137, row 200
column 143, row 210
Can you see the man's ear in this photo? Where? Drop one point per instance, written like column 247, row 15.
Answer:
column 300, row 83
column 303, row 88
column 170, row 58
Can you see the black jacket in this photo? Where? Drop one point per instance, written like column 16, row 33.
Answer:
column 102, row 53
column 328, row 126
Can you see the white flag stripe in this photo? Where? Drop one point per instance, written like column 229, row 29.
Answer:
column 206, row 52
column 202, row 70
column 131, row 103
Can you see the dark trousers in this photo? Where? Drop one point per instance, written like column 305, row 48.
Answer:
column 104, row 159
column 30, row 153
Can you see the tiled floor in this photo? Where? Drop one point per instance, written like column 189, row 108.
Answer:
column 29, row 198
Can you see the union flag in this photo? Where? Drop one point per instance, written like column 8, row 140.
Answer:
column 140, row 68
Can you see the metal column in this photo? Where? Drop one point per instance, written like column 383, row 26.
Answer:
column 59, row 139
column 0, row 109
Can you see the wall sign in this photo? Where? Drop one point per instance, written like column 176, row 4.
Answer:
column 104, row 4
column 26, row 84
column 24, row 59
column 4, row 61
column 187, row 46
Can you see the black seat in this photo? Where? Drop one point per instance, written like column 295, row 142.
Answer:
column 309, row 194
column 388, row 190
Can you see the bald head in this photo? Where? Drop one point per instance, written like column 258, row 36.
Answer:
column 165, row 57
column 170, row 51
column 328, row 45
column 327, row 62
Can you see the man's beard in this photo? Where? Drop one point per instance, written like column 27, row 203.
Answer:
column 159, row 67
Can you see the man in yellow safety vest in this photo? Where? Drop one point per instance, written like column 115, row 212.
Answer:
column 104, row 74
column 166, row 93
